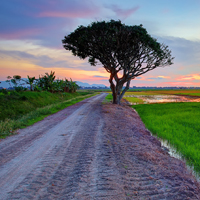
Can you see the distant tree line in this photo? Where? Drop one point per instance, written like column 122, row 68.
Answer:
column 47, row 82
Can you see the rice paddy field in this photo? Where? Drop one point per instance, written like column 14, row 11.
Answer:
column 170, row 92
column 178, row 123
column 162, row 96
column 180, row 92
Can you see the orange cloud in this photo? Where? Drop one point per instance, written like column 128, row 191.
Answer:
column 25, row 67
column 165, row 77
column 189, row 77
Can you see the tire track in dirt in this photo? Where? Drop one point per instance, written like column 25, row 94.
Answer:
column 14, row 145
column 60, row 141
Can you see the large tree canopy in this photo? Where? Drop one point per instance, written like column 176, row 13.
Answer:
column 128, row 50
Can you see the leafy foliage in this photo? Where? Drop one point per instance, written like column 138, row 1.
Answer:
column 30, row 81
column 119, row 48
column 17, row 82
column 45, row 82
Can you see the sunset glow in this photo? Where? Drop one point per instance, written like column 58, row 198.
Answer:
column 31, row 34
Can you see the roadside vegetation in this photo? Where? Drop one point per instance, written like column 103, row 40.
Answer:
column 21, row 109
column 23, row 106
column 47, row 82
column 178, row 123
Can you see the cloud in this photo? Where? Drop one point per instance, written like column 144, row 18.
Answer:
column 40, row 60
column 189, row 77
column 47, row 58
column 123, row 13
column 47, row 20
column 96, row 76
column 165, row 11
column 59, row 8
column 70, row 9
column 185, row 51
column 158, row 77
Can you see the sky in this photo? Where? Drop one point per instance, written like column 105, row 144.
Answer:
column 31, row 34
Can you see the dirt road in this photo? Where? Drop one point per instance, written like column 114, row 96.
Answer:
column 91, row 151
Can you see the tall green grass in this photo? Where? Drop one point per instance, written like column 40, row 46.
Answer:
column 178, row 123
column 19, row 110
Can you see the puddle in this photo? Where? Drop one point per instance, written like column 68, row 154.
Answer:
column 173, row 153
column 165, row 98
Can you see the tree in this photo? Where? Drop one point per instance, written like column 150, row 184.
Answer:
column 9, row 80
column 124, row 51
column 30, row 81
column 46, row 82
column 16, row 80
column 73, row 86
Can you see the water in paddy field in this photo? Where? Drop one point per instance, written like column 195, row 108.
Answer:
column 165, row 98
column 174, row 153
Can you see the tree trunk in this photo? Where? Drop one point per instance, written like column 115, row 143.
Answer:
column 66, row 89
column 117, row 92
column 125, row 89
column 31, row 87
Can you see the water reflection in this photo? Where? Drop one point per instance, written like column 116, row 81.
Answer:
column 173, row 152
column 165, row 98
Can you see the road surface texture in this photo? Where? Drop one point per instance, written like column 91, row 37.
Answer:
column 91, row 151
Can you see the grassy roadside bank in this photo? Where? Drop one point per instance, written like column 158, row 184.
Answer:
column 18, row 110
column 178, row 123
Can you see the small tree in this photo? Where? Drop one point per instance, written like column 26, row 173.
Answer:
column 73, row 86
column 124, row 51
column 9, row 80
column 30, row 81
column 16, row 81
column 66, row 85
column 46, row 82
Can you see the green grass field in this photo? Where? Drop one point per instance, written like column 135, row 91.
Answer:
column 177, row 123
column 18, row 110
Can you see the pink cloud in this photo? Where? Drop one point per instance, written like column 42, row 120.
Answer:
column 73, row 9
column 124, row 13
column 166, row 11
column 181, row 84
column 189, row 77
column 20, row 33
column 68, row 14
